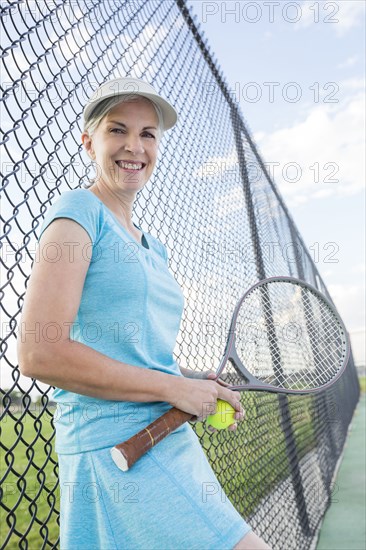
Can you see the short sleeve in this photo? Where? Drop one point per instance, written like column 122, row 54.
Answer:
column 78, row 205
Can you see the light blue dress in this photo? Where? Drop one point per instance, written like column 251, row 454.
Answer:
column 130, row 310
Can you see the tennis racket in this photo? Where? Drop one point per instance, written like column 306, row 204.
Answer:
column 284, row 337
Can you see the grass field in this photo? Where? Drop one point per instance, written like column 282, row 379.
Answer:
column 248, row 464
column 30, row 486
column 362, row 380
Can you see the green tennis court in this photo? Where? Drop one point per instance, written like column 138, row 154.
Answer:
column 344, row 526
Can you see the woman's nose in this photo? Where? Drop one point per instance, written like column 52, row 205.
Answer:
column 134, row 144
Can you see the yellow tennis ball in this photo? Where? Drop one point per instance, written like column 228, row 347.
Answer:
column 224, row 416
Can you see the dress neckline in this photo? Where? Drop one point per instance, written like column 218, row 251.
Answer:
column 143, row 238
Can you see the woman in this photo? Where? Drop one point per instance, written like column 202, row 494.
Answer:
column 108, row 312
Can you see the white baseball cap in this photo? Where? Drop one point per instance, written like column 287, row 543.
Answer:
column 126, row 86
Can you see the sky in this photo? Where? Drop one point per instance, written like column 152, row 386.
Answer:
column 297, row 71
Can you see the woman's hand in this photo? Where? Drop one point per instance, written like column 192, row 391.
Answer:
column 199, row 396
column 211, row 375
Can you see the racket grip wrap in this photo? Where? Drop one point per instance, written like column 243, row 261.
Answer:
column 127, row 453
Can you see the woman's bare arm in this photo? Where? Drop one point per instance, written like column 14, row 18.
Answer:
column 78, row 368
column 52, row 300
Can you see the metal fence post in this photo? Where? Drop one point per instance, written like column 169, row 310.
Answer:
column 286, row 423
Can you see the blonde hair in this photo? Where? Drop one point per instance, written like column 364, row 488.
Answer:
column 103, row 108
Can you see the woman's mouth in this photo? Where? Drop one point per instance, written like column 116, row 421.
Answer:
column 130, row 166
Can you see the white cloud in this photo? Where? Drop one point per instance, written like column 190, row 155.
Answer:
column 351, row 84
column 347, row 299
column 340, row 16
column 349, row 62
column 358, row 343
column 212, row 165
column 267, row 35
column 351, row 14
column 230, row 202
column 359, row 268
column 327, row 144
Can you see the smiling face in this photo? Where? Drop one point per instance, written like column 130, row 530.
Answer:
column 125, row 145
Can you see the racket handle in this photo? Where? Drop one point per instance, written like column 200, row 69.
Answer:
column 127, row 453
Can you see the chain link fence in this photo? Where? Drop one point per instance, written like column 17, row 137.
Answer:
column 210, row 200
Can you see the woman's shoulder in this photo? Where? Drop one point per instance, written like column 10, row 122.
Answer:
column 79, row 205
column 79, row 196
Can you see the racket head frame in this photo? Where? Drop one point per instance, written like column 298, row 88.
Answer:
column 230, row 353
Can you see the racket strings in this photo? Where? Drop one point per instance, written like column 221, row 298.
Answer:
column 287, row 336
